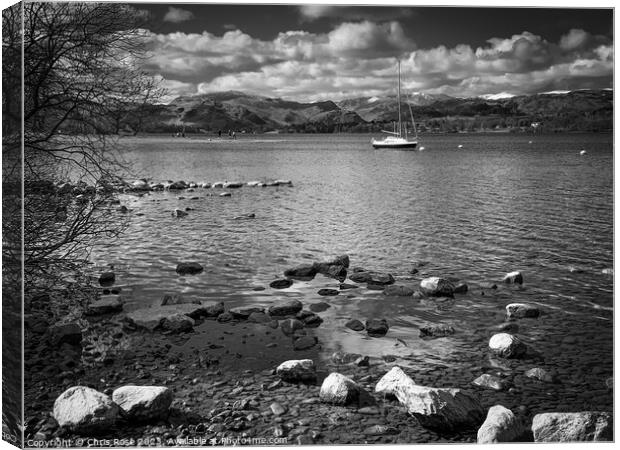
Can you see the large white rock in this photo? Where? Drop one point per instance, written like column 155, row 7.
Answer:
column 339, row 390
column 438, row 408
column 507, row 345
column 295, row 370
column 573, row 427
column 437, row 286
column 501, row 425
column 83, row 408
column 521, row 310
column 143, row 402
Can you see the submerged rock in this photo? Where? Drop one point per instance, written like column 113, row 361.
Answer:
column 143, row 402
column 177, row 299
column 573, row 427
column 501, row 425
column 377, row 327
column 443, row 409
column 319, row 307
column 437, row 287
column 521, row 310
column 286, row 309
column 177, row 323
column 289, row 326
column 189, row 268
column 328, row 292
column 106, row 304
column 515, row 277
column 81, row 408
column 506, row 327
column 338, row 389
column 305, row 342
column 296, row 370
column 507, row 345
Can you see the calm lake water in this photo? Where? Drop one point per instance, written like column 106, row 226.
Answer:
column 500, row 203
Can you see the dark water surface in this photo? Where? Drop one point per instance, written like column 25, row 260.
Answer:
column 500, row 203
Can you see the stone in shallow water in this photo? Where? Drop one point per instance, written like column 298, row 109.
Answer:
column 243, row 312
column 354, row 325
column 443, row 409
column 305, row 342
column 328, row 292
column 81, row 408
column 259, row 317
column 460, row 288
column 437, row 287
column 490, row 382
column 143, row 402
column 309, row 318
column 286, row 308
column 436, row 331
column 153, row 318
column 521, row 310
column 573, row 427
column 375, row 278
column 507, row 345
column 398, row 291
column 338, row 389
column 179, row 213
column 377, row 327
column 296, row 370
column 319, row 307
column 515, row 277
column 540, row 374
column 106, row 304
column 107, row 278
column 506, row 327
column 307, row 271
column 289, row 326
column 501, row 425
column 341, row 357
column 281, row 284
column 189, row 268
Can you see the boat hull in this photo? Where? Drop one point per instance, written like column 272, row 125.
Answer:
column 397, row 145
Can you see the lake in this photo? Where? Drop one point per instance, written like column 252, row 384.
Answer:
column 499, row 203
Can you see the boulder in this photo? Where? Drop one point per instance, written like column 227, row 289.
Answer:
column 573, row 427
column 375, row 278
column 355, row 325
column 442, row 409
column 488, row 381
column 304, row 272
column 189, row 268
column 297, row 370
column 377, row 327
column 398, row 291
column 84, row 409
column 540, row 374
column 286, row 308
column 437, row 287
column 507, row 345
column 305, row 342
column 143, row 402
column 436, row 331
column 521, row 310
column 339, row 390
column 243, row 312
column 69, row 333
column 281, row 284
column 106, row 304
column 501, row 425
column 515, row 277
column 107, row 278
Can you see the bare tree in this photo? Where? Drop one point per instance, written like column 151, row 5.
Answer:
column 81, row 80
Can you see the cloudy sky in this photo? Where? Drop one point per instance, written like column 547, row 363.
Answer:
column 303, row 52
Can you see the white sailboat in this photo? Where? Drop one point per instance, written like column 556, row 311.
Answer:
column 396, row 138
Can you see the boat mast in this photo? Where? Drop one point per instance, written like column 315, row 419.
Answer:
column 400, row 126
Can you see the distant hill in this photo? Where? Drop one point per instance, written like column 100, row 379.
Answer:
column 583, row 110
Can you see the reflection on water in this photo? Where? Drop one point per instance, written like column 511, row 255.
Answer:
column 495, row 205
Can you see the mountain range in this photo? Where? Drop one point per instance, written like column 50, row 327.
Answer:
column 582, row 110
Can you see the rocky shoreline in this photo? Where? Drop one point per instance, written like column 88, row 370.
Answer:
column 190, row 356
